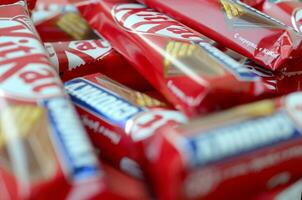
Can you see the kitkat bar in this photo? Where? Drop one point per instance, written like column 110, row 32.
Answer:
column 235, row 154
column 55, row 20
column 73, row 59
column 63, row 25
column 240, row 27
column 179, row 62
column 289, row 12
column 44, row 151
column 119, row 119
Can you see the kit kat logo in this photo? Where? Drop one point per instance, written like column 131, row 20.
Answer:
column 25, row 71
column 66, row 56
column 138, row 18
column 297, row 19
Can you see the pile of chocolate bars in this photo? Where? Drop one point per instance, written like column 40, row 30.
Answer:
column 150, row 99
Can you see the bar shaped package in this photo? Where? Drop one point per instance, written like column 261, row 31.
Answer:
column 73, row 59
column 289, row 12
column 179, row 62
column 44, row 152
column 118, row 119
column 62, row 24
column 237, row 154
column 240, row 27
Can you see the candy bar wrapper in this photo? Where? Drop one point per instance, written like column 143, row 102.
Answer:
column 118, row 119
column 280, row 83
column 79, row 58
column 254, row 147
column 63, row 25
column 29, row 3
column 254, row 3
column 179, row 62
column 289, row 12
column 240, row 27
column 60, row 21
column 44, row 152
column 290, row 192
column 124, row 187
column 46, row 9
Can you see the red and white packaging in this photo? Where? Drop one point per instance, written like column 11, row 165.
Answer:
column 30, row 3
column 44, row 150
column 289, row 12
column 236, row 154
column 179, row 62
column 119, row 119
column 241, row 28
column 79, row 58
column 59, row 21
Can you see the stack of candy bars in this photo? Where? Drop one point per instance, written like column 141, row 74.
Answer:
column 150, row 99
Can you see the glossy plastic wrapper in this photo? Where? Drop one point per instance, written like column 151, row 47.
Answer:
column 60, row 22
column 73, row 59
column 40, row 133
column 241, row 28
column 254, row 147
column 179, row 62
column 289, row 12
column 118, row 119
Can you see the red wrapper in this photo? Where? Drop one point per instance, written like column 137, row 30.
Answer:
column 123, row 186
column 254, row 147
column 291, row 192
column 30, row 3
column 119, row 119
column 66, row 25
column 241, row 28
column 254, row 3
column 179, row 62
column 79, row 58
column 289, row 12
column 44, row 151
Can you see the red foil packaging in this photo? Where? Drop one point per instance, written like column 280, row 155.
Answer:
column 179, row 62
column 289, row 12
column 254, row 147
column 73, row 59
column 254, row 3
column 119, row 119
column 44, row 151
column 124, row 187
column 66, row 25
column 241, row 28
column 30, row 3
column 56, row 20
column 292, row 191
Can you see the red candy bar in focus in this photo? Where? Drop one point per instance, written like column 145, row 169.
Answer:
column 179, row 62
column 241, row 28
column 119, row 119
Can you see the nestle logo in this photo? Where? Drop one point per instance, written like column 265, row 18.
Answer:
column 137, row 17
